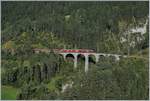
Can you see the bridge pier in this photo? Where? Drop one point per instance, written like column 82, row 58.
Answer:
column 97, row 58
column 86, row 62
column 75, row 59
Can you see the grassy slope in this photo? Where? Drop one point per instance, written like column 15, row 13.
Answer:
column 8, row 93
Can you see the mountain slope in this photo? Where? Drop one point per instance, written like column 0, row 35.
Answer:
column 106, row 27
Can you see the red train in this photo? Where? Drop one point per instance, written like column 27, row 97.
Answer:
column 76, row 50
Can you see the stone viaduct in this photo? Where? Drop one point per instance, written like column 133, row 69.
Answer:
column 86, row 55
column 85, row 52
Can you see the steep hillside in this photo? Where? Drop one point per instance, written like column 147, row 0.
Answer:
column 106, row 27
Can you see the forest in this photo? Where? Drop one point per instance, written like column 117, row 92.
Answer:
column 114, row 27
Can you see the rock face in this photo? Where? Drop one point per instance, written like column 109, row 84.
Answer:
column 137, row 31
column 66, row 86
